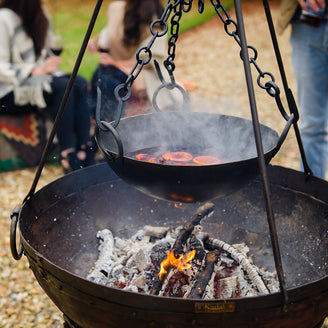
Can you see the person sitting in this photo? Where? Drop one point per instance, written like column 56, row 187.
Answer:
column 28, row 79
column 127, row 30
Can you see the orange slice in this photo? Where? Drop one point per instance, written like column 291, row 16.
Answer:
column 206, row 160
column 178, row 156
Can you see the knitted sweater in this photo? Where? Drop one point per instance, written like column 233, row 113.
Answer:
column 17, row 60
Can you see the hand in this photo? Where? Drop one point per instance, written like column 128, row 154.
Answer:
column 93, row 46
column 315, row 5
column 106, row 59
column 51, row 65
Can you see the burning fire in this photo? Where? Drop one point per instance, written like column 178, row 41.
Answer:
column 181, row 263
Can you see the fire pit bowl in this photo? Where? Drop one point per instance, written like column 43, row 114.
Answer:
column 58, row 233
column 230, row 139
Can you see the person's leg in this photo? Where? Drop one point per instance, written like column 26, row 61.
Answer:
column 81, row 111
column 8, row 106
column 82, row 117
column 66, row 123
column 66, row 126
column 310, row 62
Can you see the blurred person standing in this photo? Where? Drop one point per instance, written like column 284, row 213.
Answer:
column 309, row 41
column 127, row 30
column 29, row 79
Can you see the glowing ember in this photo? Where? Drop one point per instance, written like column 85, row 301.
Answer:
column 181, row 263
column 180, row 205
column 206, row 160
column 180, row 198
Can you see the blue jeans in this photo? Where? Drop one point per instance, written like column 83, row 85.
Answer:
column 310, row 63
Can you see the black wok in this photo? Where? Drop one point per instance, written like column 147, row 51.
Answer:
column 58, row 230
column 229, row 138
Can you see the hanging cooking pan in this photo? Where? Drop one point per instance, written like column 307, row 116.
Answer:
column 186, row 156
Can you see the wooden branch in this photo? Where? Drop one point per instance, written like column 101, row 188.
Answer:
column 251, row 270
column 201, row 213
column 205, row 275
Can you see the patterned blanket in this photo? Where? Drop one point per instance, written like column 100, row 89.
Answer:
column 22, row 139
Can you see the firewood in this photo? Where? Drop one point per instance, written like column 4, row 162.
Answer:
column 248, row 267
column 201, row 213
column 105, row 263
column 205, row 275
column 181, row 240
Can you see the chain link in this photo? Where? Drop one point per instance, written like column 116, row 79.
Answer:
column 265, row 80
column 270, row 86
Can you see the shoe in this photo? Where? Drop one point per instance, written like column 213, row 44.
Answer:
column 72, row 162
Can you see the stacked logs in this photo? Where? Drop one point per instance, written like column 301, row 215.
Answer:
column 184, row 262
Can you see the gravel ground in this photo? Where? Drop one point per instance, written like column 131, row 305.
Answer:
column 208, row 57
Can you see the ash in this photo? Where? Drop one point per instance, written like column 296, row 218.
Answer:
column 133, row 265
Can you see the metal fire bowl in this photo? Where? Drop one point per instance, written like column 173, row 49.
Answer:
column 229, row 138
column 58, row 232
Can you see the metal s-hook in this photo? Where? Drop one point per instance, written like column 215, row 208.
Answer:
column 170, row 86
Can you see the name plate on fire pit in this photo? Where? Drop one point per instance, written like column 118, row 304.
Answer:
column 210, row 307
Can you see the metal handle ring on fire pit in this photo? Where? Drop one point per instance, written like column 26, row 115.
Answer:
column 17, row 254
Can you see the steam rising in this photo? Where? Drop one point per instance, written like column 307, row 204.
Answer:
column 228, row 137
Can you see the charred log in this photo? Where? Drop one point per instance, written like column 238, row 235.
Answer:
column 181, row 240
column 201, row 213
column 204, row 276
column 176, row 285
column 248, row 267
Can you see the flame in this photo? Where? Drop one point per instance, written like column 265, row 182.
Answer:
column 181, row 263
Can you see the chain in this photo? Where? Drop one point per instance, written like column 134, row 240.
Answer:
column 265, row 80
column 176, row 6
column 159, row 28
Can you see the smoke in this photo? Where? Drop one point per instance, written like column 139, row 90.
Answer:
column 228, row 137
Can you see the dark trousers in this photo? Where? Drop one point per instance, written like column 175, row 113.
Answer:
column 107, row 78
column 74, row 126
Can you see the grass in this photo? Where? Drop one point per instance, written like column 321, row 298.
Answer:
column 71, row 18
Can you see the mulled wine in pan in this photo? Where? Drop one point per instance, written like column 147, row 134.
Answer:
column 177, row 156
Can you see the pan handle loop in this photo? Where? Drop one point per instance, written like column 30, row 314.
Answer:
column 15, row 215
column 107, row 127
column 111, row 127
column 120, row 105
column 284, row 133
